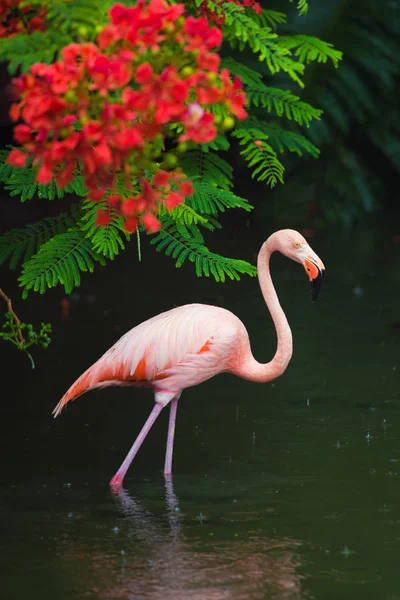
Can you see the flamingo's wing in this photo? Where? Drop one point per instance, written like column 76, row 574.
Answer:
column 171, row 351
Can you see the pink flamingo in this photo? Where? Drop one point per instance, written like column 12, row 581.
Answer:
column 189, row 344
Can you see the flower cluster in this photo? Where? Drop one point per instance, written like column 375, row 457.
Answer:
column 108, row 106
column 219, row 19
column 20, row 19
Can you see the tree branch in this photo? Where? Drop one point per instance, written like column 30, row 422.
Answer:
column 7, row 300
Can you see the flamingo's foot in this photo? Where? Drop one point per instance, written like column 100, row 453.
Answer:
column 116, row 481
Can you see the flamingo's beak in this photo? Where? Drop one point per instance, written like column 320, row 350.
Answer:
column 315, row 271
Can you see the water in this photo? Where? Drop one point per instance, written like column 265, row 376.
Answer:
column 288, row 490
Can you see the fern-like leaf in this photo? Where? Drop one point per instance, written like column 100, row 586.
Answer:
column 283, row 139
column 269, row 18
column 186, row 215
column 302, row 6
column 21, row 181
column 22, row 51
column 60, row 260
column 19, row 245
column 247, row 75
column 69, row 16
column 208, row 166
column 106, row 240
column 210, row 200
column 207, row 263
column 309, row 49
column 241, row 29
column 260, row 155
column 283, row 103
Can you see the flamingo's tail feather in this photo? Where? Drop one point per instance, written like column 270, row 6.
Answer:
column 81, row 385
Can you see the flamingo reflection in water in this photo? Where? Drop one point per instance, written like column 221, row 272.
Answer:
column 152, row 558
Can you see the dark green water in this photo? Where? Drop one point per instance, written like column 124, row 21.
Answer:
column 288, row 490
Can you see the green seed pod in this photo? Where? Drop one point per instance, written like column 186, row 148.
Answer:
column 187, row 71
column 170, row 160
column 228, row 123
column 183, row 147
column 83, row 32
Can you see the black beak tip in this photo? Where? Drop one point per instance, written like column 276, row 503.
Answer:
column 316, row 285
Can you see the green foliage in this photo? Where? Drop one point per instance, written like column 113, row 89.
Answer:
column 107, row 240
column 260, row 155
column 59, row 260
column 284, row 139
column 269, row 18
column 23, row 336
column 309, row 49
column 211, row 200
column 302, row 6
column 22, row 51
column 240, row 29
column 208, row 166
column 21, row 181
column 181, row 248
column 57, row 249
column 19, row 245
column 283, row 103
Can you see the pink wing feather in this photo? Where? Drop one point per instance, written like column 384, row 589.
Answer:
column 171, row 351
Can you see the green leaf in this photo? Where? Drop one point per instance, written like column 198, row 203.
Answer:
column 210, row 200
column 247, row 75
column 283, row 139
column 241, row 30
column 207, row 263
column 21, row 181
column 260, row 155
column 309, row 49
column 60, row 260
column 283, row 103
column 19, row 245
column 22, row 51
column 106, row 239
column 302, row 6
column 269, row 18
column 208, row 166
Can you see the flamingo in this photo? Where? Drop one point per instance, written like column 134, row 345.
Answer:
column 189, row 344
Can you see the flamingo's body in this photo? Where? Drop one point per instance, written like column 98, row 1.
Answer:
column 189, row 344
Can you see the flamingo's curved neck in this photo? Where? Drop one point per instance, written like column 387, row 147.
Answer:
column 252, row 369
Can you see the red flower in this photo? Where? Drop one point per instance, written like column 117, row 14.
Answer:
column 172, row 200
column 150, row 222
column 45, row 174
column 103, row 217
column 108, row 107
column 186, row 188
column 144, row 73
column 17, row 158
column 131, row 224
column 161, row 179
column 22, row 133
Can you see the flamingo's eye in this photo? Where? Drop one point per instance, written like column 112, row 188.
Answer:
column 296, row 245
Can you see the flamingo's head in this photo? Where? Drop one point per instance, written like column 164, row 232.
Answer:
column 294, row 246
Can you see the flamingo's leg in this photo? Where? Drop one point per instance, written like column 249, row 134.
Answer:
column 170, row 438
column 120, row 474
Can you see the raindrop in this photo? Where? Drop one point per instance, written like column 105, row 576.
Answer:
column 254, row 438
column 116, row 529
column 67, row 485
column 308, row 402
column 337, row 444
